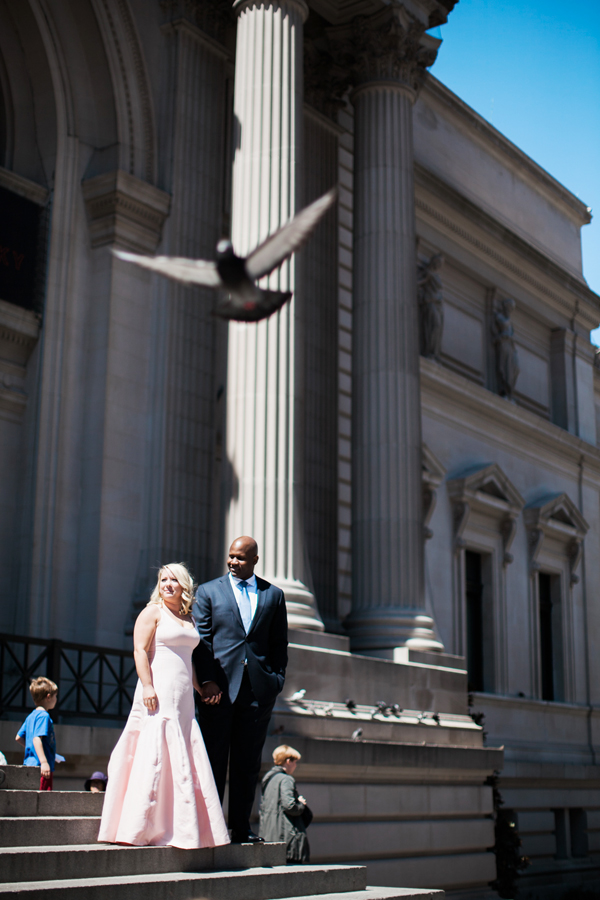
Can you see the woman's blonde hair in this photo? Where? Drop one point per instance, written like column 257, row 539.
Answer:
column 283, row 753
column 186, row 581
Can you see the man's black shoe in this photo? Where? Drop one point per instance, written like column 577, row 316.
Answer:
column 246, row 838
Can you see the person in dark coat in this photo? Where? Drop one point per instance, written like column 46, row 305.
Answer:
column 240, row 665
column 283, row 813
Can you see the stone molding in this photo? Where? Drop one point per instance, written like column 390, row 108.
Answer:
column 212, row 17
column 557, row 517
column 523, row 426
column 189, row 28
column 433, row 474
column 23, row 187
column 132, row 89
column 19, row 333
column 390, row 46
column 484, row 223
column 124, row 210
column 486, row 489
column 506, row 150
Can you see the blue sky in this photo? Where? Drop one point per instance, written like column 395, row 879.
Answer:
column 532, row 69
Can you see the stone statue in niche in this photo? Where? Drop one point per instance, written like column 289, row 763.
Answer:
column 431, row 307
column 507, row 358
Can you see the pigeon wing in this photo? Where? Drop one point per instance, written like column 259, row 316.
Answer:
column 278, row 246
column 190, row 271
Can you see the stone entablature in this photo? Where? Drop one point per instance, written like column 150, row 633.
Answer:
column 124, row 210
column 481, row 164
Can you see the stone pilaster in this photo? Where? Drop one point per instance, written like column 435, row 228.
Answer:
column 387, row 55
column 264, row 381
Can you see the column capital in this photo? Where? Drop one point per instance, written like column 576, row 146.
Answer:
column 325, row 82
column 299, row 5
column 389, row 47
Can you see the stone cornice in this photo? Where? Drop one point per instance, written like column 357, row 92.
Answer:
column 124, row 210
column 339, row 11
column 575, row 208
column 23, row 187
column 573, row 289
column 523, row 432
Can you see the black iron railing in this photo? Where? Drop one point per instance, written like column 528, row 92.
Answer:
column 93, row 682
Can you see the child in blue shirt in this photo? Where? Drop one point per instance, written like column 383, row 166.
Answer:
column 36, row 733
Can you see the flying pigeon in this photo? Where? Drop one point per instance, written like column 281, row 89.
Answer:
column 356, row 735
column 235, row 277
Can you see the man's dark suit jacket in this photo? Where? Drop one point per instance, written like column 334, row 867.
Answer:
column 225, row 645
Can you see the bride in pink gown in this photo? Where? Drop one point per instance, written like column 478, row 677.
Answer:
column 161, row 789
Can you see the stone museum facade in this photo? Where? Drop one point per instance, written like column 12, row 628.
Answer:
column 412, row 440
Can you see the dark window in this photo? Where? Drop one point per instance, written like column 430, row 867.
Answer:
column 570, row 829
column 546, row 637
column 19, row 240
column 474, row 598
column 579, row 835
column 561, row 833
column 551, row 637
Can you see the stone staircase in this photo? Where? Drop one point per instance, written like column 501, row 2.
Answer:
column 48, row 851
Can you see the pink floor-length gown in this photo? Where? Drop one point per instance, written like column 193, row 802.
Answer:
column 161, row 789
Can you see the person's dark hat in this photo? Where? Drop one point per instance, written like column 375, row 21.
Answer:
column 97, row 776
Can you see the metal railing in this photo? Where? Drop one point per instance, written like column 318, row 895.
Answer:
column 93, row 682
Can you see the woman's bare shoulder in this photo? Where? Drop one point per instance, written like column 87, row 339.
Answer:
column 149, row 615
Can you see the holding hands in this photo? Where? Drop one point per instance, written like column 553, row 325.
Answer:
column 210, row 693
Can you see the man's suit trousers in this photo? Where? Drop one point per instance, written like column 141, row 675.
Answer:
column 236, row 731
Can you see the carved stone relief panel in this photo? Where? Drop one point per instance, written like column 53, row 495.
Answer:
column 463, row 340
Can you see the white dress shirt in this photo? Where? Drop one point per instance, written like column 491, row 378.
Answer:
column 252, row 591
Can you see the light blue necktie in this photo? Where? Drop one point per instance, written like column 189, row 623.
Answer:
column 245, row 607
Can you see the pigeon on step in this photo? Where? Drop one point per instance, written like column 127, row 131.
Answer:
column 235, row 277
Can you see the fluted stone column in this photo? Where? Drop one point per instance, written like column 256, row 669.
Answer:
column 264, row 380
column 388, row 55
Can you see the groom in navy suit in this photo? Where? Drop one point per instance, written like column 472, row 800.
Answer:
column 240, row 664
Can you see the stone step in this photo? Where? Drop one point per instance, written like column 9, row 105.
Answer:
column 20, row 778
column 50, row 803
column 251, row 884
column 104, row 860
column 384, row 893
column 40, row 831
